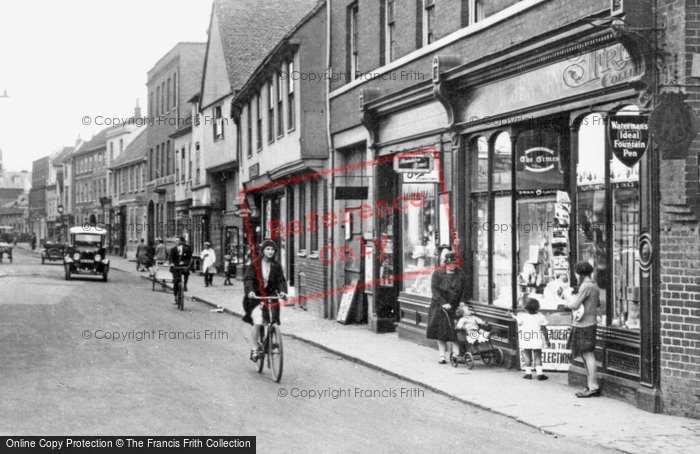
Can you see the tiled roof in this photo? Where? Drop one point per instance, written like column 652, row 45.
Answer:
column 250, row 29
column 135, row 150
column 62, row 154
column 99, row 141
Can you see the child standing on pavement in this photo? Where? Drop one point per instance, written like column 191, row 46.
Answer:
column 228, row 269
column 532, row 333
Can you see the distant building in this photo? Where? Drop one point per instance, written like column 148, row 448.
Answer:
column 172, row 81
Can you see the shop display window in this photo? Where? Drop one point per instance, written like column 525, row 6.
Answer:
column 543, row 217
column 492, row 244
column 420, row 238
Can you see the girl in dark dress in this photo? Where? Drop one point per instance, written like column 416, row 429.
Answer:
column 448, row 285
column 267, row 275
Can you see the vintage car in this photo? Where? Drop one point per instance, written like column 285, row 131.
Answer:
column 85, row 254
column 5, row 251
column 53, row 251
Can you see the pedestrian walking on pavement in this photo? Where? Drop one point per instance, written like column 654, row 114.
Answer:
column 208, row 257
column 32, row 241
column 532, row 336
column 141, row 255
column 449, row 285
column 582, row 339
column 229, row 269
column 161, row 252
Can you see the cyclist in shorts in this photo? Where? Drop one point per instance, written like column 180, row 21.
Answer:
column 267, row 274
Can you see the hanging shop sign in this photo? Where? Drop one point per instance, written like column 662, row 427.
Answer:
column 674, row 125
column 412, row 163
column 628, row 136
column 538, row 159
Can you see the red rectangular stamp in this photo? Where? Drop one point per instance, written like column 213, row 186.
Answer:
column 422, row 192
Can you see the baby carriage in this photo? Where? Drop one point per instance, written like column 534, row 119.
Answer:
column 476, row 344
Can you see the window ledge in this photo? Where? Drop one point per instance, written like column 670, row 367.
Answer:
column 301, row 254
column 314, row 255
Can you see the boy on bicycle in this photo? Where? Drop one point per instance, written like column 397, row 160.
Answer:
column 266, row 275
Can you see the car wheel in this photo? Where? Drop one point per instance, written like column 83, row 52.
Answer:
column 67, row 267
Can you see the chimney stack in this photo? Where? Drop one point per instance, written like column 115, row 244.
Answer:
column 137, row 110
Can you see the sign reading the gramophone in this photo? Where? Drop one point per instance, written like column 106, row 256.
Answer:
column 629, row 137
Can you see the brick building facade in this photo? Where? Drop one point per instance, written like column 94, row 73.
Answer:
column 484, row 85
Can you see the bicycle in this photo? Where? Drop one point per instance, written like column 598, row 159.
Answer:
column 271, row 346
column 177, row 286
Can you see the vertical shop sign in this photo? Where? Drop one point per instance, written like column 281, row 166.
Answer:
column 628, row 137
column 674, row 125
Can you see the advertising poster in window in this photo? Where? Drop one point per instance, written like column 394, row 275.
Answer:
column 556, row 358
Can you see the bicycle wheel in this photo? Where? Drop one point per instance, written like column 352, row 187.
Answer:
column 261, row 358
column 275, row 352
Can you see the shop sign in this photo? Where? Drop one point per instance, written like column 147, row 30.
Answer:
column 412, row 163
column 629, row 137
column 605, row 67
column 558, row 357
column 674, row 125
column 538, row 159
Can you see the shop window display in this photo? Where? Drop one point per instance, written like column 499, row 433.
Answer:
column 619, row 297
column 543, row 210
column 420, row 238
column 479, row 166
column 591, row 216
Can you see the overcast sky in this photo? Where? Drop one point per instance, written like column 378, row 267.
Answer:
column 61, row 60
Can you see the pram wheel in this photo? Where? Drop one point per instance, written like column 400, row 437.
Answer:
column 454, row 359
column 498, row 356
column 469, row 360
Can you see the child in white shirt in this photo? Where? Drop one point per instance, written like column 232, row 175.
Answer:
column 533, row 337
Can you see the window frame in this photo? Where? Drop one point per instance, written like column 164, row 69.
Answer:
column 353, row 51
column 271, row 111
column 258, row 122
column 428, row 22
column 389, row 30
column 291, row 99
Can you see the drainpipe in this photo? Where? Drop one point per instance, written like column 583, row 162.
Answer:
column 330, row 140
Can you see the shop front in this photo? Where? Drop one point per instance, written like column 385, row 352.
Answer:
column 545, row 162
column 543, row 190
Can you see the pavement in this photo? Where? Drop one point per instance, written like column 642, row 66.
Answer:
column 549, row 406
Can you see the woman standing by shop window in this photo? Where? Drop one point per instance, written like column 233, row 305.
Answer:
column 582, row 339
column 448, row 285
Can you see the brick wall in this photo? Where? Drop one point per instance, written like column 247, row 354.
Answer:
column 679, row 236
column 316, row 273
column 530, row 24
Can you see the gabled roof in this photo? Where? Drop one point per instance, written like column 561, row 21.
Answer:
column 61, row 154
column 97, row 142
column 265, row 62
column 135, row 151
column 250, row 29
